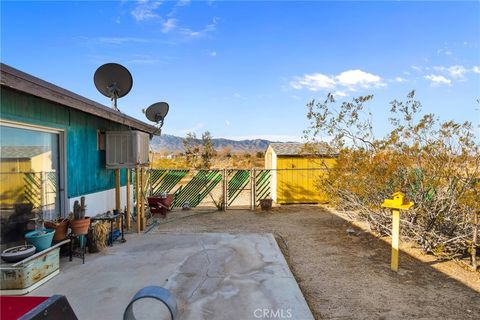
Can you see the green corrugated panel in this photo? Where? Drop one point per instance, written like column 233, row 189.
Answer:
column 171, row 179
column 192, row 191
column 156, row 176
column 262, row 184
column 193, row 187
column 237, row 184
column 217, row 178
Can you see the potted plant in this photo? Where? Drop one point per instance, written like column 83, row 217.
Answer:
column 60, row 225
column 79, row 223
column 41, row 239
column 266, row 204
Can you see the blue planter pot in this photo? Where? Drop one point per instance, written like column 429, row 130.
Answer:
column 41, row 239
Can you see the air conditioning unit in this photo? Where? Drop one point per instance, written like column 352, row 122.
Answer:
column 126, row 149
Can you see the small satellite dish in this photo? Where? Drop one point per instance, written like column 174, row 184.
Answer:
column 157, row 112
column 114, row 81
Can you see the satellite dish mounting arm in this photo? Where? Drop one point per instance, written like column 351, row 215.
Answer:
column 114, row 94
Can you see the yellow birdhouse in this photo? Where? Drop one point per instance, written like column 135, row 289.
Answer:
column 399, row 202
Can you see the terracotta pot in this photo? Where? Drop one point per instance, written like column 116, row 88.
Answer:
column 80, row 226
column 60, row 227
column 266, row 204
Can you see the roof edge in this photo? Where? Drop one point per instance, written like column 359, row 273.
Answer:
column 24, row 82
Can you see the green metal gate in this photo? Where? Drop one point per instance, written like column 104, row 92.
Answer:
column 220, row 188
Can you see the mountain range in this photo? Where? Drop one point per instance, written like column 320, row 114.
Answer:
column 171, row 143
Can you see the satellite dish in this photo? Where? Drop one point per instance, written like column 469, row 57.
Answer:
column 114, row 81
column 157, row 112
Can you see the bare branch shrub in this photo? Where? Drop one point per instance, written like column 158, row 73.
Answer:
column 436, row 164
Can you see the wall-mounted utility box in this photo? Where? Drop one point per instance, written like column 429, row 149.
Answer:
column 126, row 149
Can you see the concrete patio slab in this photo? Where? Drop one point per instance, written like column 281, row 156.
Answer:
column 212, row 276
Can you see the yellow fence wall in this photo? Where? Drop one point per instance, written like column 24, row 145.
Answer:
column 12, row 184
column 299, row 185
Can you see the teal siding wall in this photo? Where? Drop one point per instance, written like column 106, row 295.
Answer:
column 86, row 171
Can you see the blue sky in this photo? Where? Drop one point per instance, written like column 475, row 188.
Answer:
column 247, row 69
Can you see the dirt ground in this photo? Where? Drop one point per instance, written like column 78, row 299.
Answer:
column 347, row 276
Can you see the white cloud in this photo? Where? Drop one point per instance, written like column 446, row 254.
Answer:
column 359, row 78
column 121, row 40
column 444, row 51
column 348, row 80
column 400, row 79
column 313, row 82
column 438, row 79
column 202, row 32
column 227, row 123
column 143, row 61
column 213, row 54
column 145, row 10
column 447, row 74
column 239, row 96
column 456, row 71
column 168, row 25
column 340, row 94
column 182, row 3
column 416, row 68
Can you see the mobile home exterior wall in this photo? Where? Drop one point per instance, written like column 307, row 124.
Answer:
column 86, row 172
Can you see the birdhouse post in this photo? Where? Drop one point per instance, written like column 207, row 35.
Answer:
column 399, row 202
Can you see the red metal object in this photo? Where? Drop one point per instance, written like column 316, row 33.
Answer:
column 159, row 205
column 55, row 307
column 15, row 307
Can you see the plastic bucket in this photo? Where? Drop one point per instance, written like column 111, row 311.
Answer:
column 41, row 239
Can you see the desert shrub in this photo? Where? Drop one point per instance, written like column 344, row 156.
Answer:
column 199, row 153
column 435, row 163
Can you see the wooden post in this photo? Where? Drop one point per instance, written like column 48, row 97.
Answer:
column 395, row 238
column 117, row 195
column 117, row 189
column 137, row 197
column 142, row 199
column 397, row 203
column 127, row 213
